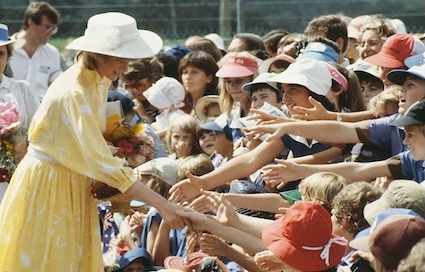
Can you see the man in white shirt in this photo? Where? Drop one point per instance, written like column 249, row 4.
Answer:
column 37, row 61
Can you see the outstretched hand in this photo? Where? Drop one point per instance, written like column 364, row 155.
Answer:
column 278, row 175
column 205, row 203
column 186, row 190
column 268, row 261
column 317, row 112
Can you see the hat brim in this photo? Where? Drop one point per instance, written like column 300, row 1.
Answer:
column 296, row 256
column 365, row 73
column 405, row 121
column 253, row 86
column 147, row 45
column 384, row 60
column 317, row 56
column 174, row 262
column 201, row 103
column 371, row 210
column 265, row 65
column 361, row 243
column 398, row 76
column 416, row 60
column 3, row 43
column 212, row 126
column 236, row 71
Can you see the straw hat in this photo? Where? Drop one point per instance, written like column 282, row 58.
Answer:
column 115, row 34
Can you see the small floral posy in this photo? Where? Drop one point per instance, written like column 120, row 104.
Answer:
column 133, row 144
column 9, row 129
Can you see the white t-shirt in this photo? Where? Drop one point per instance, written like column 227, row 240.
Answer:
column 40, row 70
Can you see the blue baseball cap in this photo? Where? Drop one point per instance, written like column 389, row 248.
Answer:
column 398, row 76
column 132, row 255
column 319, row 51
column 219, row 124
column 383, row 215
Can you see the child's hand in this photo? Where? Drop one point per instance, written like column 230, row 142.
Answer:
column 213, row 245
column 204, row 204
column 183, row 149
column 267, row 261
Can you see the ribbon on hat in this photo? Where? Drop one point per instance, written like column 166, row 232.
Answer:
column 107, row 38
column 324, row 255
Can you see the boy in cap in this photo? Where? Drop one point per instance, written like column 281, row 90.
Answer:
column 223, row 136
column 379, row 132
column 137, row 259
column 407, row 165
column 263, row 91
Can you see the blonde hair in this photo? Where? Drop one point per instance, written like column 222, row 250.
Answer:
column 197, row 165
column 187, row 124
column 322, row 187
column 91, row 60
column 225, row 100
column 155, row 184
column 380, row 102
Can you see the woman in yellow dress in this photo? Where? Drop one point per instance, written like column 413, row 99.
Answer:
column 48, row 217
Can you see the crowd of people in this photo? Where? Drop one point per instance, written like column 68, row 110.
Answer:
column 283, row 152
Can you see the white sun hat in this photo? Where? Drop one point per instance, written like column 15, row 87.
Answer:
column 115, row 34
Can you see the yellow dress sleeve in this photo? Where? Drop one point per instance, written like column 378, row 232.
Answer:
column 69, row 129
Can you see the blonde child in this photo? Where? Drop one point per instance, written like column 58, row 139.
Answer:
column 386, row 102
column 182, row 137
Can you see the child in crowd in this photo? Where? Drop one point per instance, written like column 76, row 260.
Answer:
column 300, row 81
column 386, row 102
column 370, row 82
column 182, row 137
column 262, row 91
column 173, row 242
column 347, row 212
column 406, row 165
column 223, row 137
column 207, row 108
column 159, row 175
column 167, row 95
column 235, row 70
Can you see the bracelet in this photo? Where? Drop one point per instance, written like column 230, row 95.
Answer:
column 339, row 117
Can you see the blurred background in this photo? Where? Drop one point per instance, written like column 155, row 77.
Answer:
column 175, row 20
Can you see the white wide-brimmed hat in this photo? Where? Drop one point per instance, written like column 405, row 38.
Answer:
column 115, row 34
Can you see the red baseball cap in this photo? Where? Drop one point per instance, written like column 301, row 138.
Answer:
column 396, row 49
column 303, row 238
column 237, row 65
column 192, row 262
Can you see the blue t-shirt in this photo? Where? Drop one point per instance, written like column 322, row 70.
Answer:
column 403, row 166
column 381, row 134
column 177, row 238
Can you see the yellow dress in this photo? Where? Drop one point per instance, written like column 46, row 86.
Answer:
column 48, row 218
